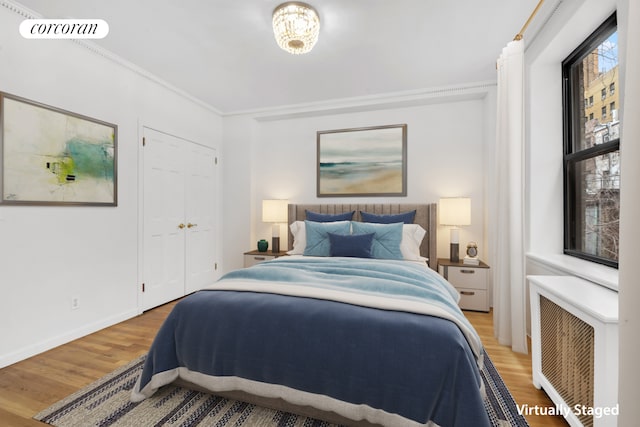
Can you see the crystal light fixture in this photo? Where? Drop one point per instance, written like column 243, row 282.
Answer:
column 296, row 26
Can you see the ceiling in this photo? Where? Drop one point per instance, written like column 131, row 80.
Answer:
column 223, row 52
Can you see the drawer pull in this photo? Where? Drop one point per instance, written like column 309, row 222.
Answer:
column 467, row 293
column 467, row 271
column 259, row 258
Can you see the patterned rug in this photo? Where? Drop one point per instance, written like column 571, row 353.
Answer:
column 106, row 403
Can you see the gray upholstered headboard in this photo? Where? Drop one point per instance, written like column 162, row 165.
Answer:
column 425, row 216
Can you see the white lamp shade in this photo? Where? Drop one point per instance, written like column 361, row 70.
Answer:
column 275, row 210
column 455, row 211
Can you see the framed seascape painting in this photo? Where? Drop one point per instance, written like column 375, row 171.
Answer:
column 369, row 161
column 55, row 157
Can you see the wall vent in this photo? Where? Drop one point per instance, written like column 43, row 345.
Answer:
column 567, row 354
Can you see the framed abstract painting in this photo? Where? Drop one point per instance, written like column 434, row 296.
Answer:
column 369, row 161
column 55, row 157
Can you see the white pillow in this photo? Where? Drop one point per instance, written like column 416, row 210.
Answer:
column 299, row 232
column 412, row 235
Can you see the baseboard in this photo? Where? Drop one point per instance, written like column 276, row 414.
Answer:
column 48, row 344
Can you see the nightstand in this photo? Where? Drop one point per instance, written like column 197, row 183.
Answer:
column 471, row 281
column 256, row 257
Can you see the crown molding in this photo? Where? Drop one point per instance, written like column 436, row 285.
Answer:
column 27, row 13
column 426, row 96
column 19, row 9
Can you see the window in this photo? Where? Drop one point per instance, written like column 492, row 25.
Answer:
column 612, row 88
column 592, row 149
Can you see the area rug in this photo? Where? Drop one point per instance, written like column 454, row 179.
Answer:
column 106, row 403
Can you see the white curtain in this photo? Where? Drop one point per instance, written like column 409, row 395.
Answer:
column 507, row 204
column 629, row 291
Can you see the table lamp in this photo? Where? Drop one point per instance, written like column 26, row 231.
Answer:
column 275, row 211
column 454, row 212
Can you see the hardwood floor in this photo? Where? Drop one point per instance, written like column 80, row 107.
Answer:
column 32, row 385
column 515, row 370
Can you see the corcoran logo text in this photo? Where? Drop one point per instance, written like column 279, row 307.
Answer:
column 64, row 29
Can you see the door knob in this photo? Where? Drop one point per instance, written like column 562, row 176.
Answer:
column 192, row 225
column 181, row 226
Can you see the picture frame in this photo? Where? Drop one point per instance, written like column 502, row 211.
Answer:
column 50, row 156
column 362, row 162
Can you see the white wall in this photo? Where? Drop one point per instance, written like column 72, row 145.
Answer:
column 237, row 168
column 275, row 157
column 50, row 254
column 629, row 374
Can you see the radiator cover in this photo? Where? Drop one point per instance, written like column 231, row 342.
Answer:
column 574, row 337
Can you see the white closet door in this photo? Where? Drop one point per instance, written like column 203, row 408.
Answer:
column 164, row 229
column 200, row 214
column 179, row 217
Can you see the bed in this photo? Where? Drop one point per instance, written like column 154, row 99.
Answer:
column 346, row 338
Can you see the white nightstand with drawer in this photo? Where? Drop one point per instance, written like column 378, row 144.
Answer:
column 256, row 257
column 471, row 281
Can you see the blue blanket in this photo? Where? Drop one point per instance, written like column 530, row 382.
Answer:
column 385, row 284
column 397, row 279
column 391, row 367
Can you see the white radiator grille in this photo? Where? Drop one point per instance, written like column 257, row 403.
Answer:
column 567, row 350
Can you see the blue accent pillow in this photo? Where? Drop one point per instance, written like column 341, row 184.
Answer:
column 317, row 234
column 386, row 239
column 406, row 217
column 354, row 245
column 319, row 217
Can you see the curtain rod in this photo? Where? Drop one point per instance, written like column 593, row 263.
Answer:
column 526, row 24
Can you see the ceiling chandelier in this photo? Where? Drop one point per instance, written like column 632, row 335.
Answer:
column 296, row 26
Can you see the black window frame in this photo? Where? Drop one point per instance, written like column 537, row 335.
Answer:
column 571, row 131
